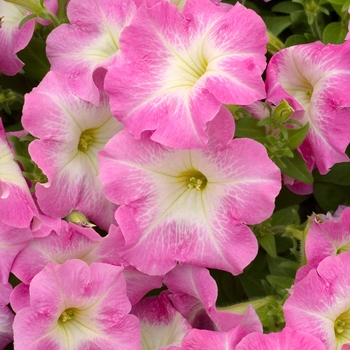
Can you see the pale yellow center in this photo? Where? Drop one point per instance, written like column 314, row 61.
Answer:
column 342, row 328
column 66, row 315
column 85, row 141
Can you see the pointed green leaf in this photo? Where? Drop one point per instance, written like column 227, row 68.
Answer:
column 267, row 241
column 334, row 33
column 296, row 136
column 247, row 127
column 296, row 168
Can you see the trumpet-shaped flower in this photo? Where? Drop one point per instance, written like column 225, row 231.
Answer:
column 12, row 38
column 84, row 49
column 320, row 303
column 16, row 203
column 70, row 132
column 314, row 79
column 75, row 306
column 325, row 237
column 162, row 326
column 189, row 206
column 177, row 68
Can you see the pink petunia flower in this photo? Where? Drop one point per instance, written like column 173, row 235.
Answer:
column 16, row 203
column 13, row 39
column 320, row 303
column 162, row 326
column 83, row 50
column 189, row 206
column 74, row 306
column 71, row 132
column 327, row 236
column 314, row 79
column 288, row 339
column 177, row 68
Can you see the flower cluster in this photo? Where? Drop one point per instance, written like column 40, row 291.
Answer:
column 133, row 172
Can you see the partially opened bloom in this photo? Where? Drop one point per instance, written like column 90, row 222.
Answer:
column 177, row 68
column 70, row 132
column 88, row 43
column 16, row 203
column 74, row 306
column 320, row 303
column 189, row 206
column 325, row 238
column 288, row 339
column 314, row 79
column 162, row 326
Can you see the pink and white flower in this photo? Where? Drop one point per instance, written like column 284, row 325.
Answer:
column 314, row 79
column 75, row 306
column 83, row 50
column 70, row 132
column 189, row 206
column 325, row 238
column 177, row 68
column 162, row 326
column 16, row 203
column 320, row 303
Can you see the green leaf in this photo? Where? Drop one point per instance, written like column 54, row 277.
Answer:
column 35, row 60
column 334, row 33
column 287, row 7
column 286, row 216
column 338, row 2
column 296, row 168
column 277, row 24
column 329, row 196
column 295, row 39
column 339, row 175
column 267, row 241
column 296, row 136
column 247, row 127
column 282, row 267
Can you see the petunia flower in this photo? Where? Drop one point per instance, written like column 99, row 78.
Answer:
column 84, row 49
column 162, row 326
column 327, row 236
column 314, row 79
column 177, row 68
column 75, row 306
column 12, row 38
column 16, row 203
column 288, row 339
column 320, row 303
column 189, row 206
column 70, row 132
